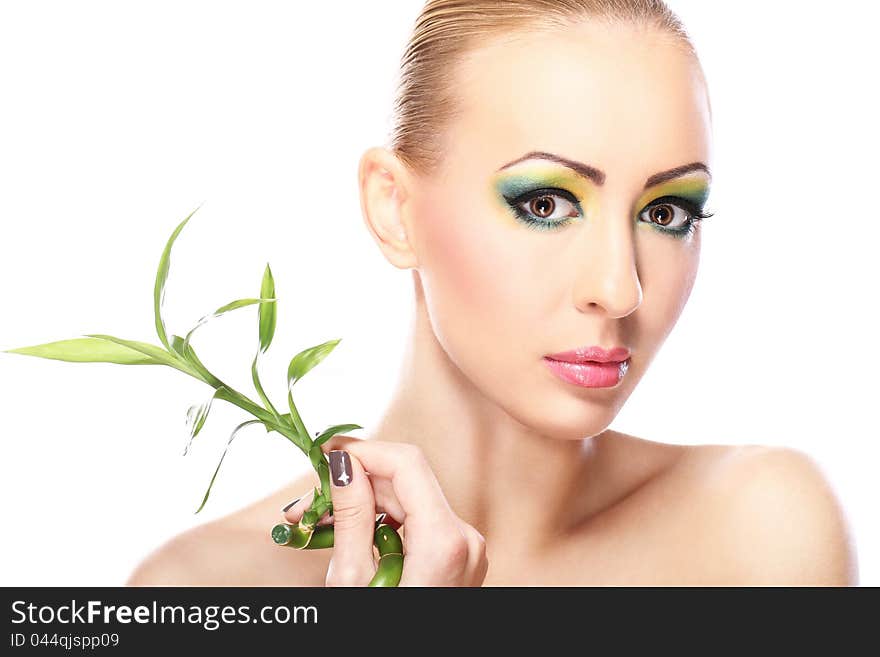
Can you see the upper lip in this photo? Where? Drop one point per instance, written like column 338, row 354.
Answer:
column 592, row 353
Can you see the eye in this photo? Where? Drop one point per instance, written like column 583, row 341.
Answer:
column 546, row 208
column 550, row 207
column 666, row 215
column 673, row 215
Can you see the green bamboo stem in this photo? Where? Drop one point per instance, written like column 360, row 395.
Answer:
column 321, row 502
column 179, row 354
column 385, row 538
column 387, row 541
column 298, row 435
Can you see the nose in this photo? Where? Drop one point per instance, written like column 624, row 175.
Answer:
column 607, row 273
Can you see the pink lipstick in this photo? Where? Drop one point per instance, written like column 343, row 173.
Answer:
column 590, row 367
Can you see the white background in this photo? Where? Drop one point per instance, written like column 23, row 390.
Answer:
column 118, row 119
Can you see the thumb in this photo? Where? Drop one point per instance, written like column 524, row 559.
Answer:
column 354, row 522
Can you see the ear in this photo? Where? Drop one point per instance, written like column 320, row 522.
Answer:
column 385, row 188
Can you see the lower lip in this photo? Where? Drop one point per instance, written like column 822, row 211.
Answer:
column 589, row 375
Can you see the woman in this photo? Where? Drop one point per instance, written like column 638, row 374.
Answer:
column 547, row 172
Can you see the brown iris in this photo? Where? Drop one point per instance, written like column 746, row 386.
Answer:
column 543, row 206
column 661, row 214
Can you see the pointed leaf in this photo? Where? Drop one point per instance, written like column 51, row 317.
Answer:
column 229, row 442
column 240, row 303
column 307, row 359
column 153, row 351
column 161, row 277
column 195, row 419
column 329, row 432
column 303, row 441
column 234, row 305
column 259, row 386
column 89, row 350
column 268, row 311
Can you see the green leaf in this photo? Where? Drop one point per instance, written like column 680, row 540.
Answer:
column 153, row 351
column 91, row 350
column 304, row 442
column 199, row 368
column 161, row 277
column 240, row 303
column 177, row 346
column 234, row 305
column 268, row 311
column 259, row 386
column 307, row 359
column 229, row 442
column 195, row 419
column 316, row 456
column 288, row 421
column 329, row 432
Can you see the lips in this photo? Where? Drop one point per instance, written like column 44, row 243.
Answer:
column 589, row 374
column 591, row 354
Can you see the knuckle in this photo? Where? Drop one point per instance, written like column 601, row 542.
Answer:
column 415, row 457
column 478, row 540
column 453, row 551
column 348, row 515
column 344, row 574
column 413, row 452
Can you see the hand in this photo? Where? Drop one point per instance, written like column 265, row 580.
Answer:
column 440, row 549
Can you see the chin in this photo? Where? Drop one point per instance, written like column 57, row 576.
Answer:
column 569, row 418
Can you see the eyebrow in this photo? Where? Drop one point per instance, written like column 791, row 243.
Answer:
column 598, row 176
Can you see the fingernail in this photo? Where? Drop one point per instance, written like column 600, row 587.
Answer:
column 340, row 467
column 290, row 504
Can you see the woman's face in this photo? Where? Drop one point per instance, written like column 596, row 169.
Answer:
column 511, row 275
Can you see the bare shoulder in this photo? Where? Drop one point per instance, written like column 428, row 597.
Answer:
column 234, row 550
column 771, row 515
column 192, row 558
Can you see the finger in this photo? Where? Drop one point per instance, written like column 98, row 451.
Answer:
column 436, row 549
column 422, row 503
column 477, row 562
column 354, row 519
column 293, row 511
column 383, row 494
column 386, row 498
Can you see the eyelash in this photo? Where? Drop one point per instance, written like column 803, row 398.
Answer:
column 694, row 214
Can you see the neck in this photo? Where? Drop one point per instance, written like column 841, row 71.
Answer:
column 514, row 485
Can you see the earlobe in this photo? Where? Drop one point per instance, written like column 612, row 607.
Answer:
column 383, row 184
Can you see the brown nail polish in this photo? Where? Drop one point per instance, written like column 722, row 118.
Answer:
column 290, row 504
column 340, row 467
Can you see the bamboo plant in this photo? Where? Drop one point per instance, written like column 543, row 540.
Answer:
column 179, row 354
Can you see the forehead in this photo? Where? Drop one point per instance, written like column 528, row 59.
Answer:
column 607, row 93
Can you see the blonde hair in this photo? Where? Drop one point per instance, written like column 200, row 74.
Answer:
column 446, row 30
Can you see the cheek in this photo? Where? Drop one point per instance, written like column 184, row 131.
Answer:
column 467, row 267
column 667, row 273
column 475, row 277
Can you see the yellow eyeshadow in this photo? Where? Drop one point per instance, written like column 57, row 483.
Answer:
column 693, row 188
column 538, row 175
